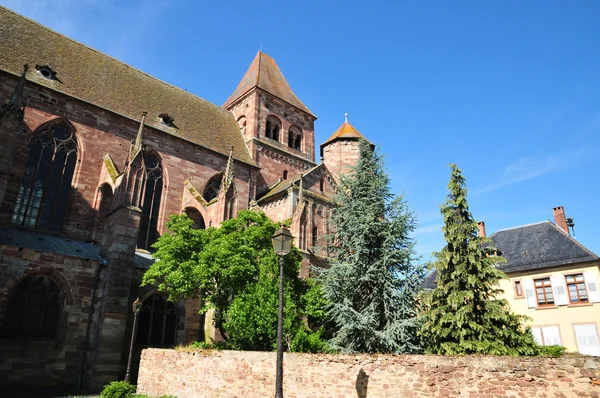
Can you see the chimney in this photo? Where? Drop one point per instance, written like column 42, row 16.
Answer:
column 481, row 226
column 560, row 219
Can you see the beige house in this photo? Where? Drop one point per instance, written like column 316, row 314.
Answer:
column 553, row 280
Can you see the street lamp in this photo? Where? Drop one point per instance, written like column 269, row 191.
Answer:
column 137, row 306
column 282, row 244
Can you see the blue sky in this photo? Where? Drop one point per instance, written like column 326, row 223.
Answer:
column 508, row 90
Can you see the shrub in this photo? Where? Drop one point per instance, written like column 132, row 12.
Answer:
column 118, row 389
column 219, row 345
column 306, row 340
column 552, row 350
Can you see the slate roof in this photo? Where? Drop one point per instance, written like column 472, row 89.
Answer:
column 536, row 246
column 16, row 237
column 266, row 75
column 96, row 78
column 142, row 260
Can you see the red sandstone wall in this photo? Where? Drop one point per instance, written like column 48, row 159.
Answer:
column 252, row 374
column 100, row 132
column 48, row 362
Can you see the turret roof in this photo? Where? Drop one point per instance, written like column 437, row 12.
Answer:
column 266, row 75
column 345, row 131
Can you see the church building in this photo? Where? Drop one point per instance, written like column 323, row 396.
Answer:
column 95, row 156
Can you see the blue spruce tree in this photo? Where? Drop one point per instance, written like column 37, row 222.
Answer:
column 371, row 284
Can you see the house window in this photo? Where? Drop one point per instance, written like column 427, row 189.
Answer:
column 587, row 339
column 543, row 290
column 546, row 335
column 46, row 183
column 518, row 289
column 158, row 322
column 576, row 288
column 285, row 174
column 33, row 310
column 321, row 185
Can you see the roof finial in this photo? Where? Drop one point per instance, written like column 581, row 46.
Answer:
column 346, row 116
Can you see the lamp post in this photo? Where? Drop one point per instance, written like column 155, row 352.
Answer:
column 137, row 306
column 282, row 244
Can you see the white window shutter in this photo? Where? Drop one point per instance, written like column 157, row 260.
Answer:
column 551, row 335
column 537, row 335
column 592, row 286
column 560, row 292
column 587, row 339
column 530, row 293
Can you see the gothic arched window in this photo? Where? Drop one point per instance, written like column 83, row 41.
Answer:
column 196, row 217
column 158, row 322
column 46, row 183
column 33, row 309
column 150, row 186
column 212, row 188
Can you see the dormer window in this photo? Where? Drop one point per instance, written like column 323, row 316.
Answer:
column 46, row 72
column 166, row 119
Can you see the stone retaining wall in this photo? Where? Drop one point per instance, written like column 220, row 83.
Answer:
column 252, row 374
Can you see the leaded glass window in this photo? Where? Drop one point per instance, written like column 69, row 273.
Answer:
column 46, row 183
column 158, row 322
column 149, row 183
column 33, row 309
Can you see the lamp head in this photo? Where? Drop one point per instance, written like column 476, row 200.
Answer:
column 282, row 241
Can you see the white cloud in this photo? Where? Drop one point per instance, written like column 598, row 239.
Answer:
column 533, row 166
column 429, row 229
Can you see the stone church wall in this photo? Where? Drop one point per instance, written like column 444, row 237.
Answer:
column 252, row 374
column 53, row 361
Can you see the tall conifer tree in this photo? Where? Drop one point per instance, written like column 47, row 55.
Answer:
column 463, row 314
column 371, row 284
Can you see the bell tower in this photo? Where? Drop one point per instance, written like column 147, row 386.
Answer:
column 277, row 127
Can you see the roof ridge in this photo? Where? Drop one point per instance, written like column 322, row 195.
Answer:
column 519, row 226
column 284, row 79
column 573, row 240
column 109, row 56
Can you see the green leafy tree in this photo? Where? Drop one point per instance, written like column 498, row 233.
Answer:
column 235, row 271
column 462, row 314
column 372, row 283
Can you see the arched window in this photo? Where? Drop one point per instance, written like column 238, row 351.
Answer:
column 212, row 188
column 44, row 192
column 303, row 225
column 290, row 139
column 321, row 185
column 196, row 217
column 229, row 205
column 33, row 309
column 150, row 185
column 273, row 127
column 315, row 237
column 158, row 322
column 106, row 195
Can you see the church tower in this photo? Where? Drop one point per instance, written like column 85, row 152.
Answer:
column 277, row 127
column 341, row 151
